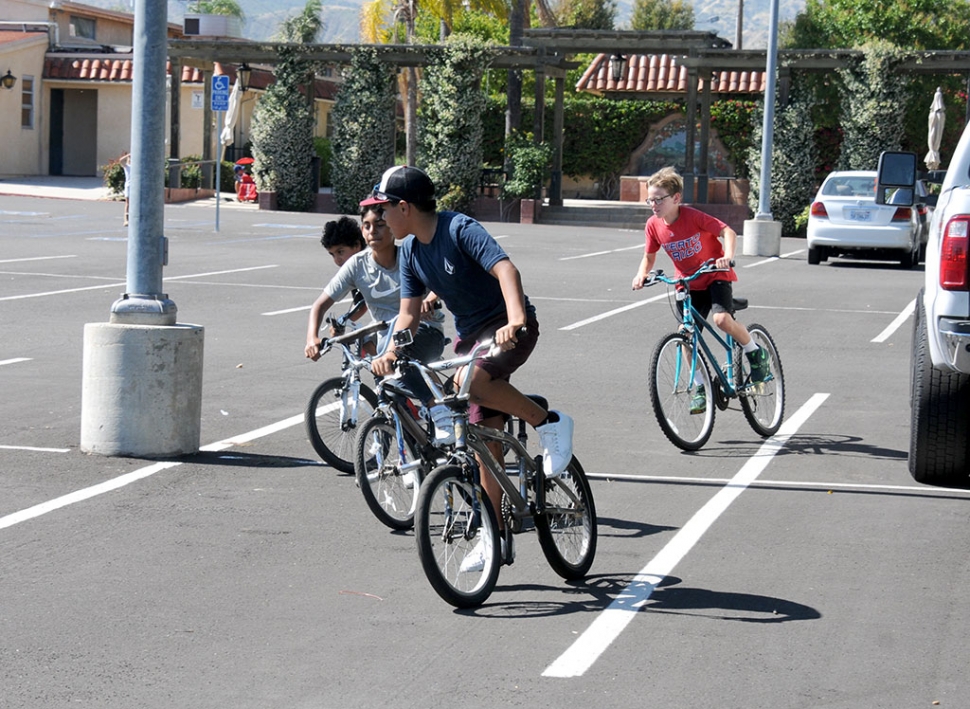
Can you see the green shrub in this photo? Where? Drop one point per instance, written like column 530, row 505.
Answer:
column 324, row 151
column 114, row 177
column 530, row 162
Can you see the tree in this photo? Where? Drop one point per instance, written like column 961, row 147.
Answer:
column 363, row 128
column 229, row 8
column 587, row 14
column 451, row 119
column 662, row 15
column 282, row 123
column 916, row 24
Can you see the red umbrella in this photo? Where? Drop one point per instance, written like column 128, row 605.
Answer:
column 244, row 161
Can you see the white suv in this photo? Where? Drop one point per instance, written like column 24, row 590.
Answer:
column 939, row 450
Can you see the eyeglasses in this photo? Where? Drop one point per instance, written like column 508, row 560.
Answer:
column 653, row 202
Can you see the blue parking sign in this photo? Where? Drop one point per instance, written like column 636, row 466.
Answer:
column 220, row 93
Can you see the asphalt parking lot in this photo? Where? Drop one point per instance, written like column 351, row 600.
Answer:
column 808, row 571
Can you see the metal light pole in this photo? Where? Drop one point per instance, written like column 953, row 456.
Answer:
column 762, row 235
column 143, row 301
column 141, row 392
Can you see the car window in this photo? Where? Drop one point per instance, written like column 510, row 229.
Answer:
column 850, row 187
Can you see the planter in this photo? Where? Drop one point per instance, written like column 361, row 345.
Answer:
column 530, row 211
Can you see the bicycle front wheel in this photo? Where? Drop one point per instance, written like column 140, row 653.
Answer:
column 567, row 523
column 763, row 403
column 458, row 539
column 332, row 424
column 389, row 493
column 673, row 391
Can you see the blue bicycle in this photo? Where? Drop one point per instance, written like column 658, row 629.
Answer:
column 683, row 361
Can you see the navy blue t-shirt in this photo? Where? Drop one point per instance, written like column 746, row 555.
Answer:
column 456, row 265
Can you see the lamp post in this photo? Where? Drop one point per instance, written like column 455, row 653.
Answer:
column 8, row 80
column 243, row 74
column 617, row 66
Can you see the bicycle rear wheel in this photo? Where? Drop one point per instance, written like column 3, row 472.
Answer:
column 390, row 494
column 331, row 424
column 455, row 527
column 763, row 403
column 672, row 390
column 567, row 523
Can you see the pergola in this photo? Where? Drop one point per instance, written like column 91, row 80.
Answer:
column 547, row 52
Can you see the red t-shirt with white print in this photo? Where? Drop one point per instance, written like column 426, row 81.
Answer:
column 690, row 241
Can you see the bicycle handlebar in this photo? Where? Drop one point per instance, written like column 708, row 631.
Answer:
column 707, row 267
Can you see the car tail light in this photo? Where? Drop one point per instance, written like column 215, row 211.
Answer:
column 953, row 254
column 818, row 210
column 903, row 214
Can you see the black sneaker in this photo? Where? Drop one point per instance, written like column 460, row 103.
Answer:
column 760, row 364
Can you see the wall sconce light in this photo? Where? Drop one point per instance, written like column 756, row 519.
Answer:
column 243, row 74
column 617, row 66
column 8, row 80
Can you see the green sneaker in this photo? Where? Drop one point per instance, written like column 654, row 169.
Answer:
column 760, row 364
column 698, row 404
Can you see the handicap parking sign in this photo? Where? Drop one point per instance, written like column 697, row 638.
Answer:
column 220, row 93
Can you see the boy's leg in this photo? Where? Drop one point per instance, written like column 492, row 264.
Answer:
column 722, row 303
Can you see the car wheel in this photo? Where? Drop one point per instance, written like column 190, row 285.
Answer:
column 910, row 258
column 814, row 255
column 940, row 416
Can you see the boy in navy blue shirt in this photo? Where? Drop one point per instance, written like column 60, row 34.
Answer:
column 455, row 257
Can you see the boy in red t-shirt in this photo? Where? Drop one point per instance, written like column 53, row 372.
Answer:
column 690, row 237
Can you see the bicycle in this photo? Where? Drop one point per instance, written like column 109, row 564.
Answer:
column 454, row 514
column 394, row 453
column 339, row 404
column 679, row 366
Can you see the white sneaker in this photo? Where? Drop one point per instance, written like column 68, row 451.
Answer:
column 444, row 425
column 557, row 445
column 474, row 560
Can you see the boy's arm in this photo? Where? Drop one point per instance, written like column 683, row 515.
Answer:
column 408, row 318
column 646, row 265
column 511, row 283
column 319, row 307
column 730, row 238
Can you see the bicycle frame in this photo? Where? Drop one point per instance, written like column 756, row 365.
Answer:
column 695, row 323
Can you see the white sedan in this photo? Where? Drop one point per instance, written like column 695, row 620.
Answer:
column 845, row 219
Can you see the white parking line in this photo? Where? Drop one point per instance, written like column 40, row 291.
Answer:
column 895, row 324
column 611, row 313
column 601, row 253
column 34, row 448
column 123, row 283
column 135, row 475
column 15, row 360
column 34, row 258
column 771, row 259
column 581, row 655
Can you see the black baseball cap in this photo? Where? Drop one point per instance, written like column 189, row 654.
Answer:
column 401, row 183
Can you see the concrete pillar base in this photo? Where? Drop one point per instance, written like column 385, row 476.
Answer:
column 141, row 391
column 761, row 237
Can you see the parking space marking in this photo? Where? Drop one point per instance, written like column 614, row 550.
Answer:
column 122, row 284
column 15, row 360
column 140, row 474
column 601, row 253
column 586, row 649
column 35, row 448
column 895, row 324
column 35, row 258
column 611, row 313
column 771, row 259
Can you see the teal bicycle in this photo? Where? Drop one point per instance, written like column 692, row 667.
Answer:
column 682, row 362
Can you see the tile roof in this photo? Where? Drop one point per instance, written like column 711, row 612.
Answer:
column 10, row 36
column 118, row 68
column 660, row 73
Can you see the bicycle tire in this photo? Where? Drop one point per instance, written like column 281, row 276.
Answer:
column 446, row 512
column 566, row 525
column 671, row 391
column 332, row 438
column 391, row 496
column 763, row 404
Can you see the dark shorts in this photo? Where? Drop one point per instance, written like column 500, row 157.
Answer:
column 502, row 365
column 719, row 297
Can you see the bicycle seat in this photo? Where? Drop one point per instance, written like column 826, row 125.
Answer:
column 540, row 400
column 740, row 303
